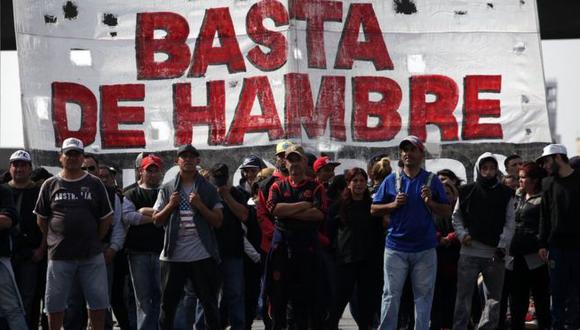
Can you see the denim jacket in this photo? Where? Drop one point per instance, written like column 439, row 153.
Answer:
column 210, row 198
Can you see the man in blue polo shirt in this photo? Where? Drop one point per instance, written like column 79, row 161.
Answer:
column 410, row 198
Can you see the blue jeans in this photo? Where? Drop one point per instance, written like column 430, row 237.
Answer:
column 423, row 269
column 233, row 302
column 468, row 269
column 189, row 311
column 146, row 279
column 10, row 305
column 564, row 274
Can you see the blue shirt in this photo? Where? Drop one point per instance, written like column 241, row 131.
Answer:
column 411, row 227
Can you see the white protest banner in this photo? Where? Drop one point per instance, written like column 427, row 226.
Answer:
column 150, row 75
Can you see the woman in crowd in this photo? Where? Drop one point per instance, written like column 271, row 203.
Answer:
column 528, row 271
column 380, row 170
column 447, row 258
column 359, row 250
column 448, row 175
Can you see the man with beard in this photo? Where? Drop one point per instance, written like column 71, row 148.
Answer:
column 484, row 224
column 559, row 237
column 411, row 198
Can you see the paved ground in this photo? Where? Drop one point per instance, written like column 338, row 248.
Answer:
column 346, row 323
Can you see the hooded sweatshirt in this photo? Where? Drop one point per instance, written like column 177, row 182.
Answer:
column 485, row 211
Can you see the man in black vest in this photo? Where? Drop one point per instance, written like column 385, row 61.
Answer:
column 484, row 224
column 189, row 208
column 144, row 242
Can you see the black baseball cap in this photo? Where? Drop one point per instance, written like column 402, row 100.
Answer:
column 219, row 170
column 187, row 148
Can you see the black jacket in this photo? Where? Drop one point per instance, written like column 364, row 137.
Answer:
column 7, row 208
column 560, row 211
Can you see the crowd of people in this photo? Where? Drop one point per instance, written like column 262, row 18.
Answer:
column 291, row 245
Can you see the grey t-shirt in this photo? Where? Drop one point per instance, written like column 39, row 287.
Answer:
column 188, row 246
column 73, row 209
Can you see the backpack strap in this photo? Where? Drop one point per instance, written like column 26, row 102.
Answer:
column 429, row 180
column 398, row 180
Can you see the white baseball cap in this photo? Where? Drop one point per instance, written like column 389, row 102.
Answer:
column 72, row 144
column 21, row 155
column 553, row 149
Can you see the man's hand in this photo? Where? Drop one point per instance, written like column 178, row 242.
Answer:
column 426, row 194
column 444, row 241
column 401, row 199
column 223, row 190
column 543, row 253
column 500, row 253
column 195, row 200
column 466, row 240
column 109, row 255
column 174, row 200
column 37, row 254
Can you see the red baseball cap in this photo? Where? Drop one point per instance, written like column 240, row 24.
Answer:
column 323, row 161
column 151, row 160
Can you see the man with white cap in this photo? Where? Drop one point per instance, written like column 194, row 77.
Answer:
column 559, row 236
column 411, row 198
column 74, row 215
column 28, row 251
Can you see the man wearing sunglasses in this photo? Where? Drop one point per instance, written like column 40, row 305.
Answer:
column 76, row 316
column 74, row 214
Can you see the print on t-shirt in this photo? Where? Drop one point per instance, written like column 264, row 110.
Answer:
column 187, row 225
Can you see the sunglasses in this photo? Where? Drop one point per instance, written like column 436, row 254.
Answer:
column 89, row 168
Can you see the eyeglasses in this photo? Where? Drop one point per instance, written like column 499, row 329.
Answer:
column 89, row 168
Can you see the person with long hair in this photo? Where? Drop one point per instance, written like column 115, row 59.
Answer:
column 380, row 170
column 359, row 248
column 529, row 272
